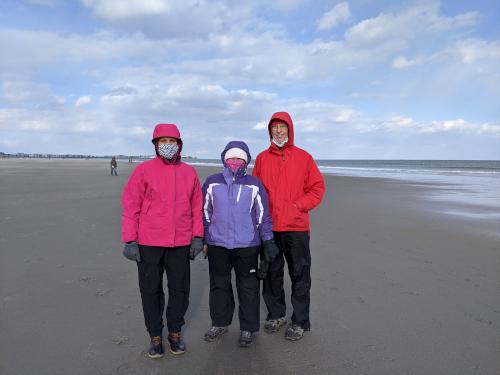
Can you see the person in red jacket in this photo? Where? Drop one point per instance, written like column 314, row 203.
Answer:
column 295, row 186
column 162, row 229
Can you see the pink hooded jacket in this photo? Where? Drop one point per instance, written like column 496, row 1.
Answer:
column 162, row 202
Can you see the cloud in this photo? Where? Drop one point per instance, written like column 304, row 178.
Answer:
column 337, row 15
column 31, row 94
column 402, row 62
column 83, row 100
column 162, row 19
column 458, row 21
column 401, row 27
column 470, row 51
column 401, row 123
column 113, row 10
column 260, row 125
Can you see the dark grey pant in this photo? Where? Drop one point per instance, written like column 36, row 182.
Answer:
column 244, row 261
column 154, row 262
column 294, row 247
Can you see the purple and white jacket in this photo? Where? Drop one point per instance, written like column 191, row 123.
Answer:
column 235, row 207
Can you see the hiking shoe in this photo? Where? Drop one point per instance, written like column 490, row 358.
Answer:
column 274, row 325
column 246, row 339
column 294, row 332
column 214, row 333
column 177, row 346
column 156, row 348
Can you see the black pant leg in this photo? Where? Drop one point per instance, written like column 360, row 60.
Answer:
column 178, row 276
column 221, row 298
column 245, row 262
column 150, row 271
column 272, row 289
column 298, row 257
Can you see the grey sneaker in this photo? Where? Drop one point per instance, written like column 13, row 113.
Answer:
column 294, row 332
column 214, row 333
column 274, row 325
column 246, row 339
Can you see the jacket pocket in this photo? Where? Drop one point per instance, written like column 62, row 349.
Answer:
column 294, row 217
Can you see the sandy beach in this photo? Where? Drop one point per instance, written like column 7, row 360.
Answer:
column 397, row 286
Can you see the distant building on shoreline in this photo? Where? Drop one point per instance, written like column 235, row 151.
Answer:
column 22, row 155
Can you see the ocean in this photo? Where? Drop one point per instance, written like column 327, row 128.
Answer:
column 472, row 187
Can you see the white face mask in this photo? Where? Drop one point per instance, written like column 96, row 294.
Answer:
column 280, row 144
column 168, row 151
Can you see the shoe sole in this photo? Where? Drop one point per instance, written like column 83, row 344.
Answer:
column 156, row 356
column 177, row 352
column 245, row 344
column 293, row 338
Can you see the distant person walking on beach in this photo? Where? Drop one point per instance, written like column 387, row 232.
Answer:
column 237, row 220
column 295, row 186
column 114, row 166
column 162, row 229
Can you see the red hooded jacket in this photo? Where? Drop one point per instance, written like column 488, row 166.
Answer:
column 162, row 201
column 292, row 179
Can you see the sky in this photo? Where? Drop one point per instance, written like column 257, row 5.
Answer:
column 362, row 79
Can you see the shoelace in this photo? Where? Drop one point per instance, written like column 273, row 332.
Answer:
column 215, row 329
column 175, row 336
column 156, row 340
column 297, row 328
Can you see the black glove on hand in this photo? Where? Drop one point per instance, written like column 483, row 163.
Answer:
column 263, row 265
column 270, row 249
column 196, row 247
column 131, row 251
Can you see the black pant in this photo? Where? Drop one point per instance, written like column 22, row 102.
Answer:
column 175, row 262
column 244, row 261
column 294, row 246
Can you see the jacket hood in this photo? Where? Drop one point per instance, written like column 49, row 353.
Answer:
column 166, row 130
column 237, row 144
column 284, row 117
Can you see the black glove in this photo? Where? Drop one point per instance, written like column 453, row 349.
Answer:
column 131, row 251
column 196, row 247
column 263, row 265
column 270, row 249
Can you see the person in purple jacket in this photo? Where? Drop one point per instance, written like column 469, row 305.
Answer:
column 237, row 222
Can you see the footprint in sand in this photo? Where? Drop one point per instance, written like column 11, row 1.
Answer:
column 102, row 292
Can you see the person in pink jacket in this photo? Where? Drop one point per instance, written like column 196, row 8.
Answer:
column 162, row 229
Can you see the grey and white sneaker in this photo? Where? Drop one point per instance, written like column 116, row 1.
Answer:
column 274, row 325
column 294, row 332
column 214, row 333
column 246, row 339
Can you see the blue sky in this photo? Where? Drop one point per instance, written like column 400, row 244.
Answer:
column 362, row 79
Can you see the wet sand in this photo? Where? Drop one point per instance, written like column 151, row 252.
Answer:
column 397, row 287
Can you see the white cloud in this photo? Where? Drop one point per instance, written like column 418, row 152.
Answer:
column 399, row 28
column 489, row 129
column 260, row 125
column 458, row 21
column 472, row 50
column 402, row 123
column 112, row 10
column 337, row 15
column 83, row 100
column 402, row 62
column 26, row 93
column 173, row 18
